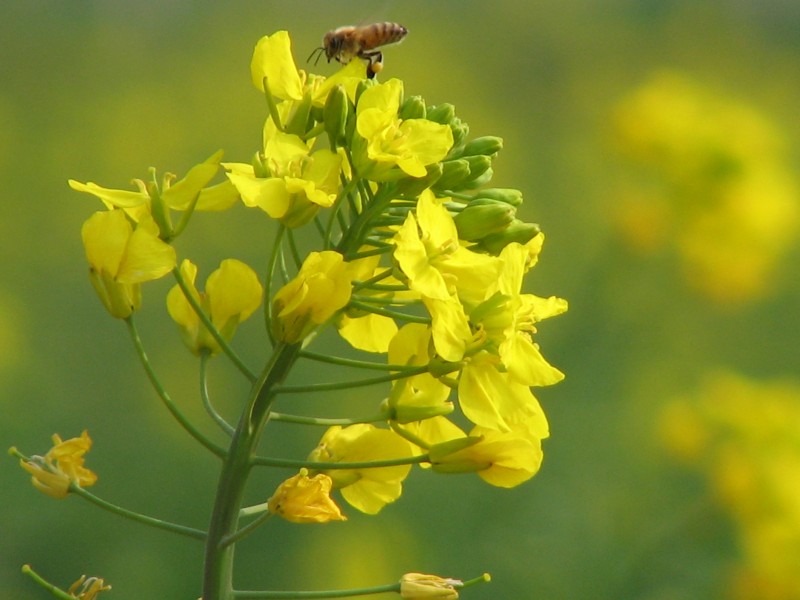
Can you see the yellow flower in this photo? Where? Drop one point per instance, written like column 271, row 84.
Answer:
column 87, row 589
column 322, row 287
column 61, row 466
column 232, row 294
column 272, row 58
column 295, row 184
column 409, row 144
column 304, row 499
column 503, row 459
column 367, row 489
column 419, row 586
column 175, row 196
column 121, row 257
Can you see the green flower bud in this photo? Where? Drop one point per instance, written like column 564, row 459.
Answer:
column 460, row 132
column 477, row 221
column 518, row 231
column 478, row 165
column 409, row 414
column 454, row 172
column 488, row 145
column 507, row 195
column 335, row 115
column 413, row 187
column 413, row 108
column 300, row 117
column 441, row 113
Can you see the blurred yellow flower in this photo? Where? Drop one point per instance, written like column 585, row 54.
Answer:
column 744, row 436
column 368, row 489
column 304, row 499
column 232, row 294
column 61, row 466
column 721, row 191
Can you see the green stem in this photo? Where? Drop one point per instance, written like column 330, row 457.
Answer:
column 269, row 278
column 138, row 517
column 206, row 321
column 346, row 385
column 277, row 595
column 247, row 529
column 393, row 314
column 350, row 362
column 288, row 463
column 215, row 416
column 165, row 397
column 57, row 592
column 218, row 570
column 301, row 420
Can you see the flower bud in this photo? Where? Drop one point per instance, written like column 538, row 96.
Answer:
column 488, row 145
column 413, row 108
column 405, row 413
column 518, row 231
column 478, row 165
column 507, row 195
column 441, row 113
column 411, row 186
column 335, row 114
column 419, row 586
column 478, row 220
column 460, row 132
column 304, row 499
column 454, row 172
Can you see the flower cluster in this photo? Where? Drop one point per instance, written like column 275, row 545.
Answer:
column 744, row 437
column 716, row 186
column 417, row 260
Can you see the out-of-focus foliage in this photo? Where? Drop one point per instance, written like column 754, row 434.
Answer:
column 105, row 89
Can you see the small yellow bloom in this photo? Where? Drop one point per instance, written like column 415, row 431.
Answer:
column 295, row 184
column 367, row 489
column 232, row 294
column 122, row 257
column 62, row 465
column 304, row 499
column 409, row 144
column 272, row 58
column 88, row 588
column 501, row 458
column 322, row 287
column 419, row 586
column 180, row 195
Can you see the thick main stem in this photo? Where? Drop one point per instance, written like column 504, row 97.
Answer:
column 218, row 570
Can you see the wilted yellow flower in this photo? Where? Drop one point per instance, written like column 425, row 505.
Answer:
column 88, row 588
column 419, row 586
column 61, row 466
column 367, row 489
column 232, row 294
column 304, row 499
column 322, row 287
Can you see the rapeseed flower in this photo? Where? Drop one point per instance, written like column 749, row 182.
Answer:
column 304, row 499
column 61, row 467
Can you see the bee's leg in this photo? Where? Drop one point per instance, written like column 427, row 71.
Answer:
column 375, row 62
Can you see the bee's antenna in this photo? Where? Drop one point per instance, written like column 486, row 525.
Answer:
column 319, row 52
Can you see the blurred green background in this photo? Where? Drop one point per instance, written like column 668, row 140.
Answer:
column 100, row 91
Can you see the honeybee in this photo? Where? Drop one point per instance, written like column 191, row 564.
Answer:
column 344, row 43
